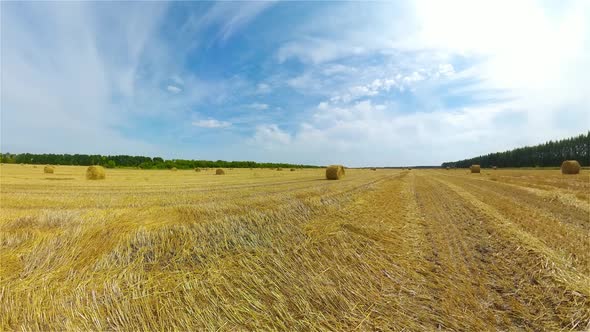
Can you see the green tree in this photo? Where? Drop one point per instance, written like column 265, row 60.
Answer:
column 549, row 154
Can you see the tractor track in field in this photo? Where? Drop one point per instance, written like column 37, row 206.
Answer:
column 491, row 274
column 576, row 214
column 456, row 245
column 454, row 267
column 537, row 194
column 561, row 227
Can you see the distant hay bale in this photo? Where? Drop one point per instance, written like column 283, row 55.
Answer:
column 174, row 169
column 197, row 169
column 475, row 169
column 570, row 167
column 335, row 172
column 219, row 171
column 292, row 170
column 279, row 169
column 373, row 169
column 447, row 168
column 48, row 169
column 495, row 167
column 95, row 173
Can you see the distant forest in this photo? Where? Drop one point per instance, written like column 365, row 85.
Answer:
column 132, row 161
column 549, row 154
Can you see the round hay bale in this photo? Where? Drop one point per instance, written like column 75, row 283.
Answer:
column 48, row 169
column 495, row 167
column 335, row 172
column 373, row 169
column 95, row 173
column 197, row 169
column 279, row 169
column 570, row 167
column 174, row 169
column 475, row 169
column 219, row 171
column 292, row 170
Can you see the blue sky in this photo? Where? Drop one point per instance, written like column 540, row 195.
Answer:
column 379, row 83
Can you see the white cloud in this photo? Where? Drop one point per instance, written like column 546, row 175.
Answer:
column 263, row 88
column 386, row 81
column 87, row 71
column 316, row 50
column 84, row 73
column 445, row 69
column 323, row 105
column 337, row 69
column 270, row 136
column 173, row 89
column 211, row 123
column 177, row 79
column 531, row 55
column 258, row 106
column 520, row 75
column 364, row 133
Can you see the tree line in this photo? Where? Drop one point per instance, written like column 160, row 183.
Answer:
column 133, row 161
column 549, row 154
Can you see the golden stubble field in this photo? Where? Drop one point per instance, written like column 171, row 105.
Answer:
column 415, row 250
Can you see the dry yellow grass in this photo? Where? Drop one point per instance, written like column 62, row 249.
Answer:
column 265, row 250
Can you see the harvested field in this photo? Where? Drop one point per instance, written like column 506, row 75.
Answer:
column 416, row 250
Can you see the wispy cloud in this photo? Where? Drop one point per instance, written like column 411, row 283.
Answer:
column 177, row 79
column 65, row 73
column 101, row 74
column 353, row 88
column 263, row 88
column 270, row 136
column 258, row 106
column 173, row 89
column 211, row 123
column 229, row 17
